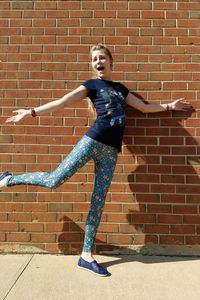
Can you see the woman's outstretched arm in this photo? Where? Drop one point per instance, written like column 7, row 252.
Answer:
column 179, row 105
column 68, row 99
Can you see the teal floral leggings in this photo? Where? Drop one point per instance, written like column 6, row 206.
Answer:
column 104, row 157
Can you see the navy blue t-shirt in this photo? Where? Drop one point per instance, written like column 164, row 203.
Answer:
column 108, row 98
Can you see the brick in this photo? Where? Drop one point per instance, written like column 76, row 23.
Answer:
column 68, row 5
column 18, row 237
column 31, row 227
column 3, row 217
column 131, row 14
column 128, row 229
column 91, row 23
column 158, row 208
column 164, row 6
column 183, row 229
column 108, row 228
column 82, row 14
column 17, row 39
column 152, row 15
column 70, row 237
column 151, row 32
column 8, row 226
column 44, row 40
column 169, row 219
column 150, row 198
column 171, row 240
column 156, row 229
column 192, row 240
column 59, row 207
column 113, row 5
column 191, row 219
column 177, row 15
column 43, row 217
column 105, row 14
column 143, row 218
column 172, row 179
column 92, row 5
column 24, row 197
column 27, row 207
column 116, row 218
column 57, row 227
column 194, row 5
column 58, row 14
column 139, row 239
column 19, row 217
column 120, row 239
column 152, row 239
column 68, row 39
column 192, row 198
column 43, row 238
column 164, row 41
column 115, row 23
column 21, row 5
column 2, row 237
column 185, row 209
column 4, row 5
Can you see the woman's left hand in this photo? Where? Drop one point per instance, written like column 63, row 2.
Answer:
column 181, row 105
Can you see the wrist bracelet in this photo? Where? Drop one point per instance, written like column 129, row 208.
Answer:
column 33, row 113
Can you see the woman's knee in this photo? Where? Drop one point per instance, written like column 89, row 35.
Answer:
column 53, row 184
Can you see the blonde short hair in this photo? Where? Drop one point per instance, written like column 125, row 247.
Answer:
column 104, row 48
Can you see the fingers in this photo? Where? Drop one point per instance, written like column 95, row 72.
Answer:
column 17, row 117
column 182, row 105
column 9, row 120
column 12, row 120
column 180, row 99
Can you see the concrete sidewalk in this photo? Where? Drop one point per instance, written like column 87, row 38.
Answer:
column 137, row 277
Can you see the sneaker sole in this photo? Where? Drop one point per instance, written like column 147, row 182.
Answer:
column 101, row 275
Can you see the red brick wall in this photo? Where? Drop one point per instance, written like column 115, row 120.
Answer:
column 155, row 194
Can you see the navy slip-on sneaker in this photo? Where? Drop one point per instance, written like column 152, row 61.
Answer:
column 93, row 267
column 5, row 174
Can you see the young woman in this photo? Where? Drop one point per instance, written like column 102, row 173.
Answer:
column 101, row 143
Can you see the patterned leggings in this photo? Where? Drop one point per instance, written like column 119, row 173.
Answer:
column 105, row 158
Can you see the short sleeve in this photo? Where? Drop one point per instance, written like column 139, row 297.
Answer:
column 89, row 84
column 125, row 90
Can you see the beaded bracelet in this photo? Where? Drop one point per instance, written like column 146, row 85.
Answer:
column 33, row 113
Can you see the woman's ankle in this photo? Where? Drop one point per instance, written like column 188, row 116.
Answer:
column 87, row 256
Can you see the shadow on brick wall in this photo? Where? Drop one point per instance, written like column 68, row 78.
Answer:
column 166, row 184
column 67, row 245
column 165, row 188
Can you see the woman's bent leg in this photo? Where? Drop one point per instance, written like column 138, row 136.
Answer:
column 104, row 168
column 78, row 157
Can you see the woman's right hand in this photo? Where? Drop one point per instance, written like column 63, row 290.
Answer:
column 21, row 113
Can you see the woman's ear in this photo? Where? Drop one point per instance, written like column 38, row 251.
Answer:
column 111, row 64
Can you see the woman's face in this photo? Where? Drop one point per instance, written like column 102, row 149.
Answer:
column 101, row 64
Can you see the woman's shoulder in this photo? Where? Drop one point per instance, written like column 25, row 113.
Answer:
column 89, row 83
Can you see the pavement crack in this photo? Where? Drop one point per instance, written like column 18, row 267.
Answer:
column 20, row 273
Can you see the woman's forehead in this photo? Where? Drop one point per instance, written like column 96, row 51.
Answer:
column 98, row 53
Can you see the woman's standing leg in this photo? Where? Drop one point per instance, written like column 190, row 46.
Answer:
column 105, row 163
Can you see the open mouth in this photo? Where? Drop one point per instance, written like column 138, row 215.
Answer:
column 100, row 68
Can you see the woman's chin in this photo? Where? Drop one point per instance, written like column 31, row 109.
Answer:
column 103, row 77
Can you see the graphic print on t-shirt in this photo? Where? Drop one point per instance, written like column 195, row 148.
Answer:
column 114, row 101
